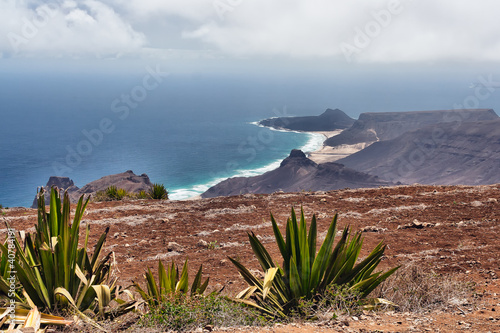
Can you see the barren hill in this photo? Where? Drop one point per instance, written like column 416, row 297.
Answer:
column 444, row 153
column 296, row 173
column 379, row 126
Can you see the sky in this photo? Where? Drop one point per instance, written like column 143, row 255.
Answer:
column 256, row 33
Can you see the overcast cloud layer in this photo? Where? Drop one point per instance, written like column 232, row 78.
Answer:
column 361, row 31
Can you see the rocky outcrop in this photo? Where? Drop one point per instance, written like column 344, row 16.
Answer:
column 296, row 173
column 63, row 183
column 446, row 153
column 330, row 120
column 126, row 180
column 373, row 127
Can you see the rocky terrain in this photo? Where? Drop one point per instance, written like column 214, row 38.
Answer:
column 329, row 120
column 449, row 230
column 296, row 173
column 127, row 180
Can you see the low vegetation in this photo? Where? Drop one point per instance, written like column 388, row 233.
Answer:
column 170, row 283
column 158, row 192
column 112, row 193
column 414, row 289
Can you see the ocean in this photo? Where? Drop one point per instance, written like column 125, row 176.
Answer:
column 187, row 132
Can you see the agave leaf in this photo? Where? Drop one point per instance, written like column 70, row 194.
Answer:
column 247, row 276
column 279, row 239
column 268, row 280
column 323, row 257
column 33, row 319
column 195, row 287
column 46, row 319
column 103, row 297
column 295, row 285
column 265, row 259
column 183, row 283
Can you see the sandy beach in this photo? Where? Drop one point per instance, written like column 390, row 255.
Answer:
column 331, row 154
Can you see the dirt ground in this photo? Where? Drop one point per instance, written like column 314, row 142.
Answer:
column 446, row 229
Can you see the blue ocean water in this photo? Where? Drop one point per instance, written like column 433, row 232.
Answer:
column 185, row 131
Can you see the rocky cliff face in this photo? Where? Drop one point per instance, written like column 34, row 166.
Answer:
column 444, row 153
column 296, row 173
column 126, row 180
column 330, row 120
column 372, row 127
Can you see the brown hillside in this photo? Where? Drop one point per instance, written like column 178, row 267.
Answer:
column 446, row 229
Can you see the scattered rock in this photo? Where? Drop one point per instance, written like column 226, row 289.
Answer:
column 372, row 228
column 416, row 225
column 173, row 246
column 202, row 243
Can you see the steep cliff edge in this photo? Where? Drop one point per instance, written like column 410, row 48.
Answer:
column 329, row 120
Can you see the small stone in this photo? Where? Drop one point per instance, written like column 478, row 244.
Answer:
column 202, row 243
column 355, row 318
column 173, row 246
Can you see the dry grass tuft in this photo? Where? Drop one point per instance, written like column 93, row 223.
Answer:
column 416, row 290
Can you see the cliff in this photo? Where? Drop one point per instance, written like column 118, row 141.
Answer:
column 126, row 180
column 372, row 127
column 296, row 173
column 329, row 120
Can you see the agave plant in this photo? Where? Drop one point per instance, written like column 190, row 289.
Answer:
column 158, row 191
column 55, row 274
column 305, row 274
column 170, row 283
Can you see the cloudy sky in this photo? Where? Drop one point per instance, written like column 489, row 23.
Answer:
column 340, row 32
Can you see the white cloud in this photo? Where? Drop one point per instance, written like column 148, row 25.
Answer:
column 67, row 28
column 413, row 31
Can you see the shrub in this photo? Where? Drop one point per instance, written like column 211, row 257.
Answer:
column 305, row 274
column 158, row 191
column 114, row 193
column 142, row 195
column 55, row 274
column 181, row 313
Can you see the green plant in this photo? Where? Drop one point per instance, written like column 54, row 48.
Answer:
column 115, row 193
column 55, row 274
column 213, row 245
column 181, row 313
column 306, row 274
column 158, row 191
column 170, row 282
column 142, row 195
